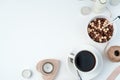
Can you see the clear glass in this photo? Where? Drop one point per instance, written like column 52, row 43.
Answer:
column 114, row 2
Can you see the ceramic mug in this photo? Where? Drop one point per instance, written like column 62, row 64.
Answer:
column 87, row 60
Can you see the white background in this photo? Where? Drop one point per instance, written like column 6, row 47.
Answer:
column 32, row 30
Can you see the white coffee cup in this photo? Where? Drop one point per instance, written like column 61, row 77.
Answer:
column 91, row 73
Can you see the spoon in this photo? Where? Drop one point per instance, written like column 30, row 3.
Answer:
column 118, row 17
column 80, row 78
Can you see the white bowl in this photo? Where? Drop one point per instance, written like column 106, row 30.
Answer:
column 114, row 31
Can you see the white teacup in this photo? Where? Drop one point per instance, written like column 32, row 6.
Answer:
column 92, row 58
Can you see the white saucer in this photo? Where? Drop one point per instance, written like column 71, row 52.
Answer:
column 72, row 69
column 87, row 76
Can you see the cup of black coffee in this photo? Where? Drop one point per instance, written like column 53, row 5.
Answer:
column 87, row 60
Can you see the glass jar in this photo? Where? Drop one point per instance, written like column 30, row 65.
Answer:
column 114, row 2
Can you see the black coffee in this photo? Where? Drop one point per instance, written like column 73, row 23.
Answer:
column 85, row 61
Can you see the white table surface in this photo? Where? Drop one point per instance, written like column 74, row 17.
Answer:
column 32, row 30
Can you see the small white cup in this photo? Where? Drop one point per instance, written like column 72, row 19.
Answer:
column 87, row 75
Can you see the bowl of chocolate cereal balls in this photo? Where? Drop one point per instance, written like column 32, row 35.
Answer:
column 99, row 30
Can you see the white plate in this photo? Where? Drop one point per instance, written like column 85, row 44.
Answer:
column 72, row 69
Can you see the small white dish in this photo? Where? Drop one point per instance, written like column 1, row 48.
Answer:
column 26, row 73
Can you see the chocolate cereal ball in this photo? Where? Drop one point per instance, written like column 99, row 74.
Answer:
column 98, row 31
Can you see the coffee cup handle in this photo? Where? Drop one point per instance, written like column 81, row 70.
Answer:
column 71, row 57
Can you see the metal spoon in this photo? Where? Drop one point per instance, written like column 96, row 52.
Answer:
column 80, row 78
column 118, row 17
